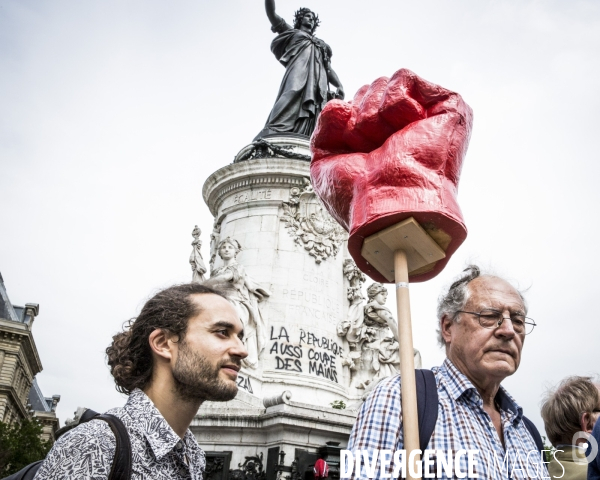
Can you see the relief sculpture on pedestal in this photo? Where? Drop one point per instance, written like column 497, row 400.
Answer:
column 310, row 225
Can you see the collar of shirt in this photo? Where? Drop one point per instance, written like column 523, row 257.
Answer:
column 570, row 453
column 458, row 385
column 161, row 437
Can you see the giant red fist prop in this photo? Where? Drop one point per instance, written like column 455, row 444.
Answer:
column 394, row 152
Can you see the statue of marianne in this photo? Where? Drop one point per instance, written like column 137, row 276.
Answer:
column 304, row 90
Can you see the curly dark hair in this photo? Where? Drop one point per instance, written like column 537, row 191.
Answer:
column 129, row 355
column 298, row 18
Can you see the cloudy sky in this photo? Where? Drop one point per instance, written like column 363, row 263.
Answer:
column 112, row 115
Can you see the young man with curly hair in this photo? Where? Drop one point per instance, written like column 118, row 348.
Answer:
column 184, row 348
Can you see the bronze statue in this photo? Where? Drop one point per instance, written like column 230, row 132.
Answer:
column 304, row 90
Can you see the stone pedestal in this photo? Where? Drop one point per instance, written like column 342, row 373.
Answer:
column 295, row 250
column 316, row 339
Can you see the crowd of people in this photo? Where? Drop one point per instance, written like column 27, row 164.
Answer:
column 187, row 346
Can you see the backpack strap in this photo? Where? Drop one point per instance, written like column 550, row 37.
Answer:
column 534, row 432
column 427, row 405
column 26, row 473
column 121, row 466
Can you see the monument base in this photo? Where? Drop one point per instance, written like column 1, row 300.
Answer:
column 276, row 434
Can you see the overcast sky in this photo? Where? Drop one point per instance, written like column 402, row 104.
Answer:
column 112, row 115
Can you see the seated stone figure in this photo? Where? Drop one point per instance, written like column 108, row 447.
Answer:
column 245, row 294
column 377, row 312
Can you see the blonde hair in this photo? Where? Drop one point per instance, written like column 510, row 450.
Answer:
column 564, row 405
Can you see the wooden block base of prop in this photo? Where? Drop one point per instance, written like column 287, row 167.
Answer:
column 421, row 250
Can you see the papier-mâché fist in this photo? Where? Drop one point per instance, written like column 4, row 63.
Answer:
column 394, row 152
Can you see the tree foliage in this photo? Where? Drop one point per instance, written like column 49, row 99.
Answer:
column 338, row 404
column 20, row 445
column 548, row 449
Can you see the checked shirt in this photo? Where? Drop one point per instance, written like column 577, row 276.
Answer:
column 87, row 451
column 462, row 424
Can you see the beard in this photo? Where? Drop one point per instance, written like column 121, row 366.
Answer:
column 196, row 379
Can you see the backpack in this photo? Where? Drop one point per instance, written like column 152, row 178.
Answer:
column 427, row 406
column 121, row 467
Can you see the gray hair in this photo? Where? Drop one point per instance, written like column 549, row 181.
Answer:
column 456, row 298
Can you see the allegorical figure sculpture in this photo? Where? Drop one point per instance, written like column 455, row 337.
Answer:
column 371, row 332
column 245, row 294
column 215, row 236
column 376, row 312
column 304, row 90
column 196, row 261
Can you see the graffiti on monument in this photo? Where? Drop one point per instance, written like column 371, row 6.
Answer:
column 307, row 353
column 309, row 224
column 244, row 383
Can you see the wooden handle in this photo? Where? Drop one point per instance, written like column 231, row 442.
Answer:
column 410, row 415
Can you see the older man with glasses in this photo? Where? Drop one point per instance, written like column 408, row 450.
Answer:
column 482, row 325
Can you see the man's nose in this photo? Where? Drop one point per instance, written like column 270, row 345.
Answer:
column 239, row 348
column 506, row 328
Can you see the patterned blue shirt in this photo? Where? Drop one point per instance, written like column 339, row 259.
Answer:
column 87, row 451
column 462, row 424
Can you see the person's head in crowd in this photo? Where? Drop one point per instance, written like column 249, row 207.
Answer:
column 571, row 407
column 186, row 339
column 482, row 325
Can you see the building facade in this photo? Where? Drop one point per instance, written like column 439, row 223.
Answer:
column 20, row 396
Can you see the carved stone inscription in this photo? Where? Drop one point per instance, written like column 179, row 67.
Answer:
column 311, row 305
column 306, row 353
column 252, row 195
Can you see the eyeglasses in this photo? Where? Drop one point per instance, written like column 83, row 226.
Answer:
column 489, row 318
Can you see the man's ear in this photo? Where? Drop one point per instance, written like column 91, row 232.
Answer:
column 163, row 344
column 446, row 324
column 587, row 422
